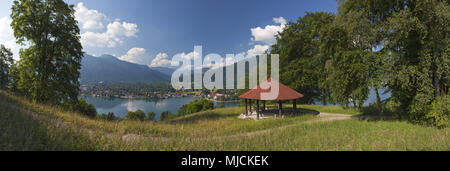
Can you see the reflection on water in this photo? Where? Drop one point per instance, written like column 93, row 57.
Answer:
column 121, row 107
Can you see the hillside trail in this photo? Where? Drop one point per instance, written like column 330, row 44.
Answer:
column 322, row 117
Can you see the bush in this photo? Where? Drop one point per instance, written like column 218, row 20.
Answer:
column 151, row 116
column 139, row 115
column 81, row 107
column 167, row 115
column 195, row 106
column 439, row 113
column 107, row 117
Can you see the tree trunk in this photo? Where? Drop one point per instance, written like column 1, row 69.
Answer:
column 436, row 85
column 380, row 108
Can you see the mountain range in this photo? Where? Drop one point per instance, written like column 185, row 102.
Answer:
column 108, row 68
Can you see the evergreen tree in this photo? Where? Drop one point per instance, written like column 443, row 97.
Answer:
column 6, row 61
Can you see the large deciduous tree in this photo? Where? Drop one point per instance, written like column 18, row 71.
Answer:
column 48, row 68
column 418, row 42
column 412, row 42
column 300, row 57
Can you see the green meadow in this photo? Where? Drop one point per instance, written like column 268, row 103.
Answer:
column 25, row 125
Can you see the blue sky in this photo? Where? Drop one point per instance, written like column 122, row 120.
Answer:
column 141, row 30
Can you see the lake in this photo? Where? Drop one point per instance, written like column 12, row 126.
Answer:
column 121, row 107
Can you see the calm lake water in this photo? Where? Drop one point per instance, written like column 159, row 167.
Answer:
column 121, row 107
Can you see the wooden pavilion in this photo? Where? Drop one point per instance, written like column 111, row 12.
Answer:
column 284, row 94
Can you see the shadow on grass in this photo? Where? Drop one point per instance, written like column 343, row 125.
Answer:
column 307, row 111
column 371, row 113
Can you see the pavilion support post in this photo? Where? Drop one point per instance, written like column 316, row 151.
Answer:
column 280, row 108
column 246, row 108
column 257, row 109
column 250, row 105
column 295, row 106
column 264, row 106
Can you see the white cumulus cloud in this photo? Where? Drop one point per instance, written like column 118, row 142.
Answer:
column 140, row 56
column 258, row 49
column 94, row 33
column 115, row 34
column 137, row 56
column 89, row 19
column 161, row 60
column 191, row 56
column 268, row 33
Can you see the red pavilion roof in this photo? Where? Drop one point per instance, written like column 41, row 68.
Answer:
column 284, row 92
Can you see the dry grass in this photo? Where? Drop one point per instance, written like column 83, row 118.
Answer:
column 30, row 126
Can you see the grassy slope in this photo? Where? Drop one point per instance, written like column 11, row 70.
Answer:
column 28, row 126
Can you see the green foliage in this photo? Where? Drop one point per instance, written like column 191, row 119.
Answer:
column 107, row 117
column 439, row 113
column 392, row 107
column 48, row 68
column 6, row 61
column 374, row 44
column 349, row 77
column 139, row 115
column 14, row 78
column 420, row 66
column 195, row 106
column 300, row 55
column 166, row 116
column 81, row 107
column 151, row 116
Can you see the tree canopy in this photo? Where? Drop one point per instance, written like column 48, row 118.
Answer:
column 48, row 68
column 401, row 46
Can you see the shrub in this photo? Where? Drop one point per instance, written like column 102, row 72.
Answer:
column 81, row 107
column 439, row 113
column 107, row 117
column 139, row 115
column 151, row 116
column 167, row 115
column 195, row 106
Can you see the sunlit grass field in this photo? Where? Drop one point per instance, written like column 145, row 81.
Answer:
column 29, row 126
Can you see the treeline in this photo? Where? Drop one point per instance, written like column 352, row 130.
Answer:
column 139, row 115
column 401, row 46
column 130, row 88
